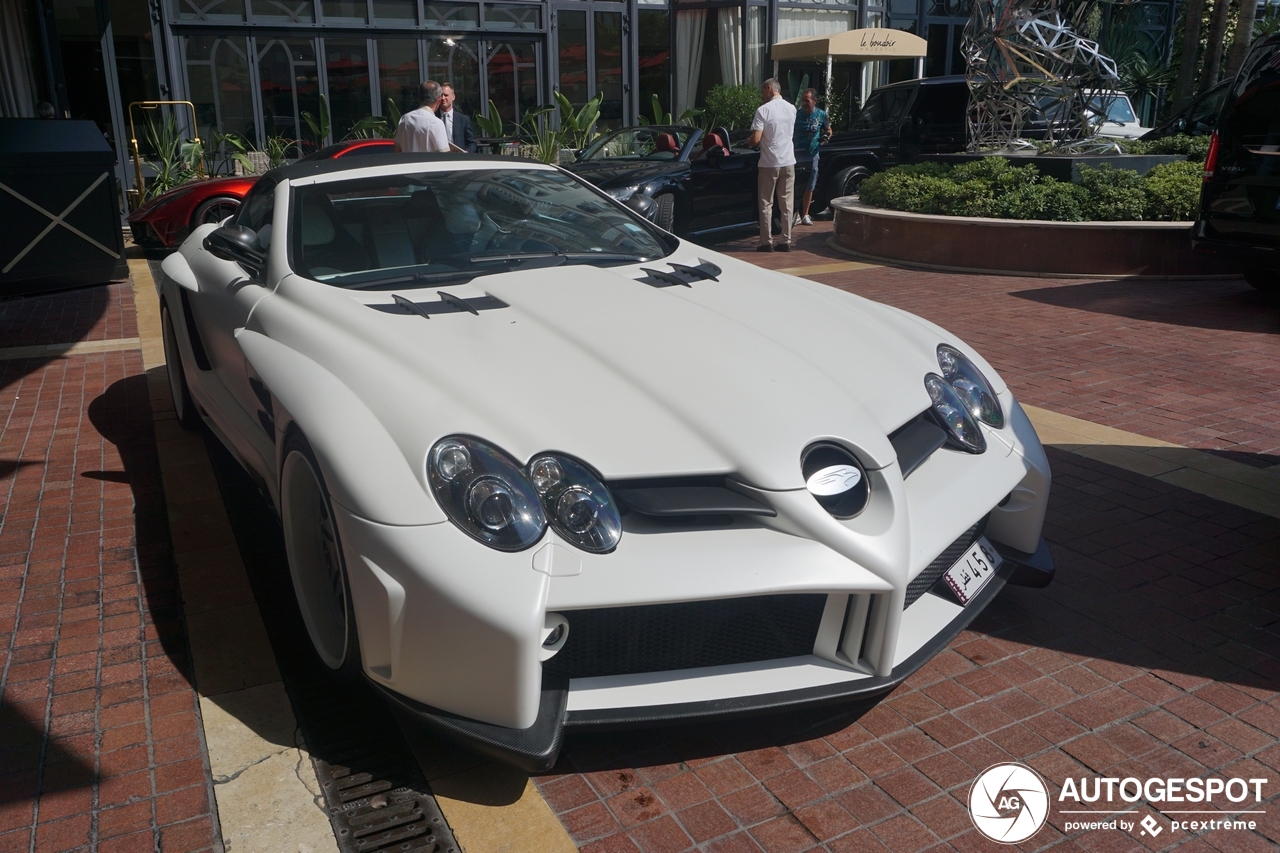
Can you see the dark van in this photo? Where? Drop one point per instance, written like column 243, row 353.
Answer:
column 1239, row 218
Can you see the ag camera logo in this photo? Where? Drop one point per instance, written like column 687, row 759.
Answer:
column 1009, row 803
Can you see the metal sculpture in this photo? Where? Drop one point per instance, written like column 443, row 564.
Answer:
column 1026, row 64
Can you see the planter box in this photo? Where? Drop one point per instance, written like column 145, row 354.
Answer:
column 1020, row 246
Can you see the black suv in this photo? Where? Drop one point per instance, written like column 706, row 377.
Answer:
column 1239, row 218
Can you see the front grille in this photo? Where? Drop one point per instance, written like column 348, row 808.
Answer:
column 661, row 637
column 927, row 578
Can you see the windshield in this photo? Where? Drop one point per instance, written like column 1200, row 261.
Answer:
column 652, row 143
column 456, row 225
column 1118, row 110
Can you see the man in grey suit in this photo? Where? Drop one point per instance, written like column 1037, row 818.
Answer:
column 456, row 124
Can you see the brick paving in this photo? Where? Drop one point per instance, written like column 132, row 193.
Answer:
column 1156, row 652
column 100, row 743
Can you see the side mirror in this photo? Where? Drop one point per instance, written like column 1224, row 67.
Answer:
column 239, row 244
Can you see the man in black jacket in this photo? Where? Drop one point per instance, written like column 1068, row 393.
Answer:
column 456, row 124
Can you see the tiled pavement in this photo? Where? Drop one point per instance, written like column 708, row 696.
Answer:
column 1155, row 652
column 100, row 743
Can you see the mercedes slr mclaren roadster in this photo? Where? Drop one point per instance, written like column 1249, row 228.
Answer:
column 541, row 465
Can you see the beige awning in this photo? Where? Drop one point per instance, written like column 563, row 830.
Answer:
column 852, row 46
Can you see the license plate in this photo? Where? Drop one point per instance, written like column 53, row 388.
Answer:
column 972, row 571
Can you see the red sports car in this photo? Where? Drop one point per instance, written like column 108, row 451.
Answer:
column 167, row 219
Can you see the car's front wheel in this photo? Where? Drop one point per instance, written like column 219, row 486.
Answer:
column 847, row 181
column 315, row 559
column 664, row 215
column 214, row 210
column 183, row 406
column 1267, row 281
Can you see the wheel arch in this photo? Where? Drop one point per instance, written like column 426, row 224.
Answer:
column 363, row 467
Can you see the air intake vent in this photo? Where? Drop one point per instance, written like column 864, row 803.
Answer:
column 662, row 637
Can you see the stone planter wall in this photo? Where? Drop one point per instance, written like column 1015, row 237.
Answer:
column 1018, row 246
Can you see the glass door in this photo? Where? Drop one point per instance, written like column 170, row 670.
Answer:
column 590, row 50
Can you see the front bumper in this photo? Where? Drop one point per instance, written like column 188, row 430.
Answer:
column 536, row 749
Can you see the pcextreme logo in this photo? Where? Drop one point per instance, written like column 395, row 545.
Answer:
column 1009, row 803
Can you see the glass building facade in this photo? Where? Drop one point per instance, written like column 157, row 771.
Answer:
column 257, row 68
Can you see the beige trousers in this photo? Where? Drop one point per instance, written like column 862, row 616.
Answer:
column 781, row 180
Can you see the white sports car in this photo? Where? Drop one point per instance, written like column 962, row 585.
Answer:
column 540, row 464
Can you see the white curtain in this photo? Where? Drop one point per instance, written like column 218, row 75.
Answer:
column 731, row 45
column 793, row 23
column 691, row 26
column 755, row 45
column 17, row 88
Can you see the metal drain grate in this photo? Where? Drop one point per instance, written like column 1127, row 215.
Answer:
column 377, row 798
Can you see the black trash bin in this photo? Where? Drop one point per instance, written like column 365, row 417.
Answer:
column 61, row 227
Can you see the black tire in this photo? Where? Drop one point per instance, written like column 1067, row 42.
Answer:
column 214, row 210
column 183, row 406
column 664, row 215
column 1266, row 281
column 846, row 181
column 316, row 565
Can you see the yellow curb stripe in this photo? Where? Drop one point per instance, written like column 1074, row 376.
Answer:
column 822, row 269
column 65, row 350
column 260, row 766
column 1256, row 489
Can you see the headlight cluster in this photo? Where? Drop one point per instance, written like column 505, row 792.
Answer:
column 487, row 494
column 962, row 397
column 622, row 193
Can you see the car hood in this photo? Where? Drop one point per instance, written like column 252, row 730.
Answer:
column 735, row 376
column 608, row 174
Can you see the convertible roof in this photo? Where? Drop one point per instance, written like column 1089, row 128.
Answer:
column 345, row 164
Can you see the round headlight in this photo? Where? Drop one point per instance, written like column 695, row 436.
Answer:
column 952, row 413
column 577, row 502
column 484, row 492
column 836, row 479
column 972, row 387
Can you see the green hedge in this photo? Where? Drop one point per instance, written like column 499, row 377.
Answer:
column 731, row 107
column 993, row 187
column 1194, row 147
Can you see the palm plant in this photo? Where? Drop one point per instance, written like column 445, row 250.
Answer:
column 320, row 126
column 490, row 125
column 578, row 128
column 176, row 159
column 660, row 117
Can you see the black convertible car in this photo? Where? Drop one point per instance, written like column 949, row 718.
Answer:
column 686, row 181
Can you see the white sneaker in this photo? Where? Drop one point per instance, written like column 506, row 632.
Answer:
column 806, row 221
column 795, row 221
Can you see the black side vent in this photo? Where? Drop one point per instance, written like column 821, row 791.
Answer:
column 662, row 637
column 916, row 441
column 193, row 333
column 674, row 497
column 924, row 581
column 450, row 305
column 682, row 274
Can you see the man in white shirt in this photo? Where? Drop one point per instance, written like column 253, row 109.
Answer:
column 772, row 130
column 419, row 130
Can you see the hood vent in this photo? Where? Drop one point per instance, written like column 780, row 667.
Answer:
column 916, row 441
column 674, row 498
column 682, row 274
column 447, row 304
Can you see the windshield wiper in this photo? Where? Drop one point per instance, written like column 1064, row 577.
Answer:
column 561, row 257
column 452, row 276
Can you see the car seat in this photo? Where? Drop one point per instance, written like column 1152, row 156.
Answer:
column 714, row 143
column 326, row 248
column 666, row 144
